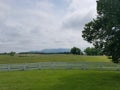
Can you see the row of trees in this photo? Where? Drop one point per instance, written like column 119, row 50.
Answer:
column 88, row 51
column 11, row 53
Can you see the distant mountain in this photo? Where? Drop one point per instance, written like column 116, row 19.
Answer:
column 58, row 50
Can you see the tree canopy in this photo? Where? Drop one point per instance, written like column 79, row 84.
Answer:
column 104, row 31
column 92, row 51
column 12, row 53
column 76, row 51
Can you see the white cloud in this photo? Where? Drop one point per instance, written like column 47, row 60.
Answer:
column 44, row 6
column 82, row 4
column 3, row 10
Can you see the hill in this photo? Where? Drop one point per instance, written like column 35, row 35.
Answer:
column 59, row 50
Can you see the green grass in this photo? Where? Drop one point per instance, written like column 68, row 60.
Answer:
column 60, row 80
column 6, row 59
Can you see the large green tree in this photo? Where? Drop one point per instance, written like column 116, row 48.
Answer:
column 92, row 51
column 104, row 31
column 75, row 51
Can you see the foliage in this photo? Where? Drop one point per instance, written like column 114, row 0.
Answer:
column 92, row 51
column 104, row 31
column 12, row 53
column 75, row 51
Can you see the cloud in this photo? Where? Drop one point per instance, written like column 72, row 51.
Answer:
column 80, row 12
column 77, row 20
column 27, row 25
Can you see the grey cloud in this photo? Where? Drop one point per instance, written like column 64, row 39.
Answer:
column 8, row 32
column 77, row 21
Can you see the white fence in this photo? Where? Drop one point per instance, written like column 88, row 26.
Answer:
column 61, row 65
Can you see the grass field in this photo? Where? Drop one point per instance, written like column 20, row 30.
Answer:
column 57, row 79
column 6, row 59
column 60, row 80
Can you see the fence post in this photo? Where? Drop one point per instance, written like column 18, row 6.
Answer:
column 24, row 67
column 8, row 66
column 39, row 67
column 118, row 67
column 100, row 66
column 69, row 66
column 52, row 66
column 83, row 67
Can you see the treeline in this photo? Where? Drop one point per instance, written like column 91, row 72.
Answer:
column 10, row 53
column 91, row 51
column 43, row 53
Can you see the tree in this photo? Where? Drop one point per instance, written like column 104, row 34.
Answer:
column 104, row 31
column 92, row 51
column 12, row 53
column 75, row 51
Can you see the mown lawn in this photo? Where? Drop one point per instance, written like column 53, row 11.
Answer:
column 60, row 80
column 6, row 59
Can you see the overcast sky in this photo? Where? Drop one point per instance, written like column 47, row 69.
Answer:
column 27, row 25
